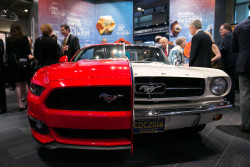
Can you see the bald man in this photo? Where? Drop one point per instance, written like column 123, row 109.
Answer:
column 104, row 41
column 165, row 46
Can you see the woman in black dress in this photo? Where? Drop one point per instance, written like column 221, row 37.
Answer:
column 18, row 50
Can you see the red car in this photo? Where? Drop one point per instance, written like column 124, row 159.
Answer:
column 84, row 104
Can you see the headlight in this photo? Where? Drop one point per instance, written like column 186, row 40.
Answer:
column 36, row 89
column 218, row 86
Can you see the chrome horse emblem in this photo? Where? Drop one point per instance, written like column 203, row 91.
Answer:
column 149, row 88
column 109, row 98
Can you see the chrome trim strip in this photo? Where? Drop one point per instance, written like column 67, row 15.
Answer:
column 183, row 88
column 202, row 98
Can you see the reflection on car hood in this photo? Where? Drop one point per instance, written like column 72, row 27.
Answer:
column 161, row 70
column 85, row 69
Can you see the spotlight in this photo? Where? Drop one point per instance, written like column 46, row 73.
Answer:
column 139, row 8
column 26, row 10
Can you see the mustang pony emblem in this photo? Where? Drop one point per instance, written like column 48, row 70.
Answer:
column 109, row 98
column 149, row 88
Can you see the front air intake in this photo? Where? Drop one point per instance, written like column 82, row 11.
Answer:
column 90, row 99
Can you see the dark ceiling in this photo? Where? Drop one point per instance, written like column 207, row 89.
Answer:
column 147, row 4
column 18, row 6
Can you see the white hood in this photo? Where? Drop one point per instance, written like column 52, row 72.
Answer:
column 161, row 70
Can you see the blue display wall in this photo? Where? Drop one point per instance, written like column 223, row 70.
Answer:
column 83, row 17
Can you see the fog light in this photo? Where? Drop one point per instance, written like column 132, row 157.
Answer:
column 217, row 117
column 39, row 126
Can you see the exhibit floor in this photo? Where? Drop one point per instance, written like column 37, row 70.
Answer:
column 219, row 144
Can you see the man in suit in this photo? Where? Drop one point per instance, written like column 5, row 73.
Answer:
column 240, row 43
column 70, row 45
column 2, row 80
column 227, row 58
column 201, row 46
column 166, row 48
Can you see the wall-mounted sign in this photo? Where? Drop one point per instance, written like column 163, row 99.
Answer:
column 155, row 30
column 85, row 19
column 182, row 13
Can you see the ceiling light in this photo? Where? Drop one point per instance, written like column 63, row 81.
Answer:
column 26, row 10
column 140, row 9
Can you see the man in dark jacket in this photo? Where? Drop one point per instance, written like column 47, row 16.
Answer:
column 2, row 80
column 227, row 58
column 240, row 43
column 70, row 45
column 200, row 54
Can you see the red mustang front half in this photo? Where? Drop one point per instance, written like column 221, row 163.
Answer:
column 85, row 104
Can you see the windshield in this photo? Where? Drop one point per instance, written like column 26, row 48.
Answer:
column 136, row 54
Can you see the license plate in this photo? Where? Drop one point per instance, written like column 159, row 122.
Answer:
column 149, row 125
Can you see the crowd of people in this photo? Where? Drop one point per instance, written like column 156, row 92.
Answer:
column 22, row 61
column 204, row 52
column 231, row 54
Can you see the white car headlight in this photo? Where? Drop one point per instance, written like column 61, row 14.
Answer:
column 218, row 86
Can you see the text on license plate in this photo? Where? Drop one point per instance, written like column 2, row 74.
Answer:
column 149, row 125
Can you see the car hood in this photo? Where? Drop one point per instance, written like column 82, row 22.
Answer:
column 161, row 70
column 84, row 69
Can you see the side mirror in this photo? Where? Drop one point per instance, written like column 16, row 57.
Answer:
column 63, row 59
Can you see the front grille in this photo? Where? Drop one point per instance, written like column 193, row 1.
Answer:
column 90, row 99
column 94, row 134
column 173, row 87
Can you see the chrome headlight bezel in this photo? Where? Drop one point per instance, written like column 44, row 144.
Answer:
column 218, row 86
column 36, row 89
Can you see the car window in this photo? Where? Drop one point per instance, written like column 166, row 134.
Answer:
column 100, row 52
column 136, row 54
column 88, row 54
column 139, row 54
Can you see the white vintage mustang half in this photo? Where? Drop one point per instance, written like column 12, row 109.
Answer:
column 171, row 97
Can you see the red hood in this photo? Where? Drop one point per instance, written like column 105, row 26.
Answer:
column 83, row 69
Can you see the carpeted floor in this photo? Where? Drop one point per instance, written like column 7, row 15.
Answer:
column 220, row 144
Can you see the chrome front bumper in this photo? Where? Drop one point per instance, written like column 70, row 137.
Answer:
column 182, row 115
